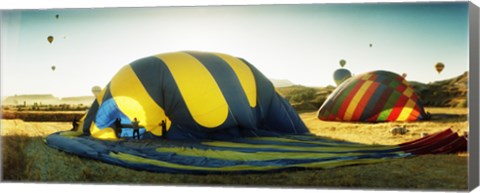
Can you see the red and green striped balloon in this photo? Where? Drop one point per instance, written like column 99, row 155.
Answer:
column 373, row 97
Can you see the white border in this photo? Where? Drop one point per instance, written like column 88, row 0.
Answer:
column 72, row 188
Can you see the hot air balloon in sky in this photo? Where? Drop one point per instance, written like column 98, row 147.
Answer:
column 404, row 75
column 371, row 45
column 342, row 63
column 56, row 16
column 53, row 67
column 96, row 90
column 341, row 75
column 439, row 67
column 50, row 39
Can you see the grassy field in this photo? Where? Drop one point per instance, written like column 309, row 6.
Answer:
column 26, row 158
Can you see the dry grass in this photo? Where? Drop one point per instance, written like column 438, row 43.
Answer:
column 378, row 133
column 26, row 158
column 43, row 116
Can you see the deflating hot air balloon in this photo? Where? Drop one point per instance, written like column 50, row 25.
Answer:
column 201, row 95
column 341, row 75
column 373, row 97
column 439, row 67
column 50, row 39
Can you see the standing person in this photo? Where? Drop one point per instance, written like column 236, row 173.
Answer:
column 164, row 129
column 75, row 124
column 118, row 126
column 136, row 128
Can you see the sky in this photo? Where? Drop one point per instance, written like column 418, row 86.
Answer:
column 301, row 43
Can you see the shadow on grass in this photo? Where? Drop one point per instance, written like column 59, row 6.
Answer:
column 444, row 117
column 14, row 160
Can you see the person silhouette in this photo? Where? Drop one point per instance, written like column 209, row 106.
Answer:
column 118, row 126
column 164, row 128
column 74, row 124
column 136, row 128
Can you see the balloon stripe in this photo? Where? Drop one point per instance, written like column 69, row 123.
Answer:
column 407, row 110
column 398, row 108
column 408, row 92
column 199, row 89
column 381, row 103
column 335, row 100
column 152, row 72
column 416, row 113
column 229, row 84
column 401, row 88
column 135, row 102
column 332, row 103
column 348, row 99
column 245, row 76
column 368, row 110
column 362, row 103
column 387, row 109
column 356, row 100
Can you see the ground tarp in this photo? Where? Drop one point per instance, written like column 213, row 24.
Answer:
column 246, row 155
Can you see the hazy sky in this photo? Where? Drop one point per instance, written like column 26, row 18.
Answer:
column 301, row 43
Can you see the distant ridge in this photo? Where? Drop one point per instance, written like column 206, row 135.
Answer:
column 445, row 93
column 46, row 99
column 281, row 82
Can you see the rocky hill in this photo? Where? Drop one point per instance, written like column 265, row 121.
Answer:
column 446, row 93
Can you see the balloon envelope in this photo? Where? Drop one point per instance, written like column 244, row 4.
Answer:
column 341, row 75
column 50, row 39
column 373, row 97
column 96, row 90
column 53, row 68
column 439, row 67
column 404, row 75
column 342, row 62
column 201, row 95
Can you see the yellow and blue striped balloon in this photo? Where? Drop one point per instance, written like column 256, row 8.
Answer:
column 200, row 95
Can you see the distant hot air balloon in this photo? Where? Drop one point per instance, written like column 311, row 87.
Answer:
column 53, row 68
column 56, row 16
column 439, row 67
column 404, row 75
column 96, row 90
column 371, row 45
column 342, row 63
column 341, row 75
column 50, row 39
